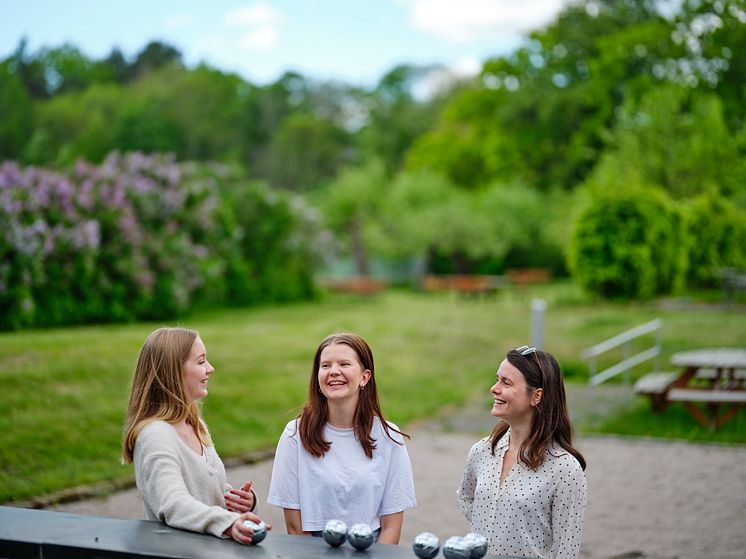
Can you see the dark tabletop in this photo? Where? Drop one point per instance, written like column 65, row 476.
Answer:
column 47, row 535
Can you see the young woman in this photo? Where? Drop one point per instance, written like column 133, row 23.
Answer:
column 524, row 486
column 340, row 459
column 180, row 477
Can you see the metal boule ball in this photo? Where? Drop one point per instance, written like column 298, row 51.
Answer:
column 426, row 545
column 260, row 530
column 456, row 548
column 477, row 544
column 360, row 536
column 335, row 532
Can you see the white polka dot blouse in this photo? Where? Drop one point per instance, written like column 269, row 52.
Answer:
column 535, row 513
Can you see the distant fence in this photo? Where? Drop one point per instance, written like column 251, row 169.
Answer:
column 624, row 339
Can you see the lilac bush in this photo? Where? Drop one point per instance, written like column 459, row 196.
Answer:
column 144, row 237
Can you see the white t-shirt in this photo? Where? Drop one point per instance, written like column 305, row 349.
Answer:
column 344, row 484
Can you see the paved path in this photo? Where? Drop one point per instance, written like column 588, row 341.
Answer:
column 647, row 499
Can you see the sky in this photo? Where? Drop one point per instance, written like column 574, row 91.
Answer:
column 354, row 41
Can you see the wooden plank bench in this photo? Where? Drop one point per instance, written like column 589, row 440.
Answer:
column 356, row 285
column 656, row 386
column 521, row 277
column 713, row 400
column 467, row 284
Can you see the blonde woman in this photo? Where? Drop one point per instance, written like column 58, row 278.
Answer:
column 179, row 475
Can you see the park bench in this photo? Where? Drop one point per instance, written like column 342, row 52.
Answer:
column 521, row 277
column 355, row 285
column 656, row 386
column 469, row 284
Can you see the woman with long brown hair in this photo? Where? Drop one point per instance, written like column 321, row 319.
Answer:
column 179, row 475
column 340, row 459
column 524, row 486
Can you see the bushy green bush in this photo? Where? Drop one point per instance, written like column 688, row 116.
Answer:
column 144, row 237
column 717, row 229
column 630, row 243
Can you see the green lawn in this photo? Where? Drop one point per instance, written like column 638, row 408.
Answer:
column 66, row 389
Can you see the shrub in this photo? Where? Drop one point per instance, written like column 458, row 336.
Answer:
column 717, row 228
column 629, row 242
column 144, row 237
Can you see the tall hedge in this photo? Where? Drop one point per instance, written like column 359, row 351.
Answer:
column 629, row 243
column 144, row 237
column 717, row 229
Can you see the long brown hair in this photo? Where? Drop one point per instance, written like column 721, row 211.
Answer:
column 315, row 413
column 550, row 422
column 158, row 388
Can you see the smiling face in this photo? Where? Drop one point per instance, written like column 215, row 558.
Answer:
column 196, row 370
column 340, row 374
column 513, row 401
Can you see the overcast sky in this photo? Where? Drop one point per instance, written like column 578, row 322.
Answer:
column 355, row 41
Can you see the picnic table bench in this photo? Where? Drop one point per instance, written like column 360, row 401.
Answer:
column 712, row 377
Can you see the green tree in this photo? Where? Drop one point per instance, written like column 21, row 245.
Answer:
column 154, row 56
column 305, row 152
column 538, row 115
column 394, row 118
column 76, row 124
column 16, row 113
column 351, row 204
column 677, row 138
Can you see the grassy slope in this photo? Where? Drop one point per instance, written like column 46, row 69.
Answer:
column 65, row 390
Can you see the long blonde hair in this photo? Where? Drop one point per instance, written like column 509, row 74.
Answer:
column 158, row 388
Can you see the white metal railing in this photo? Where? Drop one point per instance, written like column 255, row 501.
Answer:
column 591, row 354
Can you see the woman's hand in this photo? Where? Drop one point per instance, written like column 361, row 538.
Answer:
column 241, row 533
column 241, row 500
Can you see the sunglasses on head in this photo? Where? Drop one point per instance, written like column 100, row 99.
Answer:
column 525, row 350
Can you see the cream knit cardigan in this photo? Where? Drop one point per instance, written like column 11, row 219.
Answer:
column 178, row 486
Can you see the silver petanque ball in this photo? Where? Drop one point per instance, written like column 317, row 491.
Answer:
column 456, row 548
column 477, row 544
column 426, row 545
column 335, row 532
column 260, row 530
column 360, row 536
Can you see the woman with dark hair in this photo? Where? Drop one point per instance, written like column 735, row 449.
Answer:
column 179, row 475
column 340, row 459
column 524, row 486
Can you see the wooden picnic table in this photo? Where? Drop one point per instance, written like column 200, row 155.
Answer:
column 713, row 377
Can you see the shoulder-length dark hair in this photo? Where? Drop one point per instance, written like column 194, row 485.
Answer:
column 550, row 422
column 315, row 413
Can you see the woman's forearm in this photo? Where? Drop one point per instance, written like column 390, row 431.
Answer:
column 391, row 528
column 293, row 522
